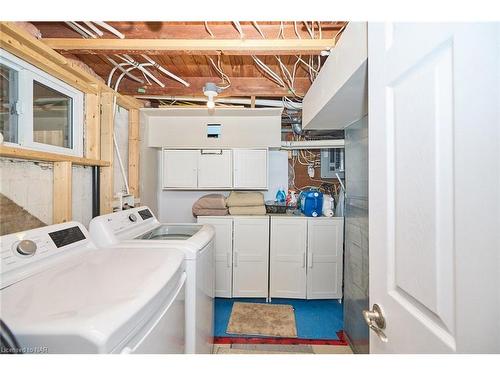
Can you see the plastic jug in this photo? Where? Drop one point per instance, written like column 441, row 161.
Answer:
column 311, row 203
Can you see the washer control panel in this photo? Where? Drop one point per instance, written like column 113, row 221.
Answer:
column 20, row 251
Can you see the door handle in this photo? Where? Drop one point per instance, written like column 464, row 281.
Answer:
column 375, row 320
column 236, row 259
column 304, row 261
column 310, row 260
column 228, row 260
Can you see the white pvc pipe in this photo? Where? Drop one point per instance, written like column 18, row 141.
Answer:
column 74, row 28
column 120, row 67
column 92, row 27
column 84, row 29
column 237, row 25
column 111, row 29
column 162, row 69
column 139, row 66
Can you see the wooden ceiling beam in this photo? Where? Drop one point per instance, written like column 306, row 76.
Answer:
column 240, row 86
column 191, row 46
column 195, row 30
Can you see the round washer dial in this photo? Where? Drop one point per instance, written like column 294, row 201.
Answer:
column 26, row 247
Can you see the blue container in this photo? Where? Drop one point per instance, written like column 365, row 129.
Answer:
column 311, row 203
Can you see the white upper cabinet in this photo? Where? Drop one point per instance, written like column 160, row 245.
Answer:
column 215, row 169
column 288, row 257
column 325, row 240
column 250, row 169
column 250, row 256
column 180, row 169
column 211, row 169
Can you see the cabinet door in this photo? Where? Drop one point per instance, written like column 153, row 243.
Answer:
column 288, row 257
column 223, row 254
column 249, row 169
column 251, row 256
column 180, row 169
column 215, row 169
column 325, row 238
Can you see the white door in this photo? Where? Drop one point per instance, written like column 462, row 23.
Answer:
column 434, row 187
column 250, row 256
column 249, row 169
column 215, row 169
column 288, row 257
column 180, row 169
column 325, row 240
column 223, row 254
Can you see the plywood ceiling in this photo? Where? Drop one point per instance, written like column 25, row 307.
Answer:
column 193, row 66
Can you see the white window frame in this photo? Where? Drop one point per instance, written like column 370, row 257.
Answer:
column 27, row 74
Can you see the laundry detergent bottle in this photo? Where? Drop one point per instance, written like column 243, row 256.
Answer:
column 281, row 195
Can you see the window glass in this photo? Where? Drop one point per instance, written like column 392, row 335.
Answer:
column 52, row 116
column 8, row 99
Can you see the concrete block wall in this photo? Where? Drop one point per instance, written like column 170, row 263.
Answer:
column 30, row 186
column 82, row 194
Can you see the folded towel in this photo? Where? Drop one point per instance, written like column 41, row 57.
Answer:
column 209, row 212
column 241, row 199
column 211, row 201
column 248, row 210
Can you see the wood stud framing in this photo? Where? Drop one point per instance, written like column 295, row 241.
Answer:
column 133, row 152
column 62, row 199
column 107, row 153
column 92, row 129
column 98, row 128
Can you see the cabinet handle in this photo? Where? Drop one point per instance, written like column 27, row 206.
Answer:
column 211, row 152
column 228, row 260
column 304, row 260
column 310, row 261
column 236, row 259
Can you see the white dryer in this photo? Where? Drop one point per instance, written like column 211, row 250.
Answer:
column 61, row 294
column 139, row 227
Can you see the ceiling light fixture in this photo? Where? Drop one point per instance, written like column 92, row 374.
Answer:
column 211, row 90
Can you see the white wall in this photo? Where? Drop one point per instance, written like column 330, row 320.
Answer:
column 175, row 206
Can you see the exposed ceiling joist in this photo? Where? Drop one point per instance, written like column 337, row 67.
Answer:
column 192, row 46
column 240, row 86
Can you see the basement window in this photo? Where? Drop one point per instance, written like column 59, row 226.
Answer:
column 39, row 111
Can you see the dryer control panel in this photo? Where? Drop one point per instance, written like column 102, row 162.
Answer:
column 122, row 221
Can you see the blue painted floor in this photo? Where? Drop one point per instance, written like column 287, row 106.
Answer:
column 315, row 319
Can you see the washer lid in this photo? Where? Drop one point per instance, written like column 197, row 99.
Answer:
column 93, row 301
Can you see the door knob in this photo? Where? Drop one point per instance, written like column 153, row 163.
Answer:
column 375, row 320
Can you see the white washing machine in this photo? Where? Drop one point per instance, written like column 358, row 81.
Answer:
column 61, row 294
column 139, row 227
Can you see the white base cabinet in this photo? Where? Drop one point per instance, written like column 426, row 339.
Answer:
column 325, row 239
column 223, row 254
column 306, row 257
column 278, row 256
column 242, row 255
column 250, row 256
column 288, row 257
